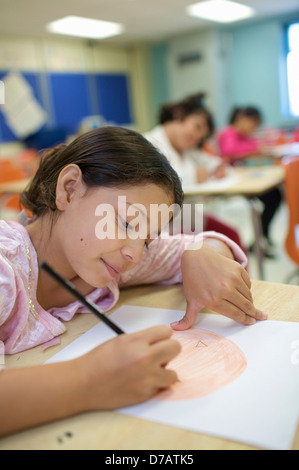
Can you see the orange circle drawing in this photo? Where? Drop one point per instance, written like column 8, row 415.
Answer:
column 207, row 362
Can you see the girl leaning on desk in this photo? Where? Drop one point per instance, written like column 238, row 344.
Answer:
column 97, row 168
column 236, row 143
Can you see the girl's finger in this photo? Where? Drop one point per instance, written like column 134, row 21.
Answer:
column 165, row 351
column 230, row 310
column 189, row 318
column 155, row 334
column 246, row 306
column 168, row 378
column 246, row 278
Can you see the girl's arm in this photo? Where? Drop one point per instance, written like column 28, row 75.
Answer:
column 123, row 371
column 36, row 395
column 213, row 279
column 162, row 260
column 212, row 269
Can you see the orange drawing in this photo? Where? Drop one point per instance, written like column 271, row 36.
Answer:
column 206, row 363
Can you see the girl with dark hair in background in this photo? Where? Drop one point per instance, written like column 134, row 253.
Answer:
column 183, row 129
column 236, row 143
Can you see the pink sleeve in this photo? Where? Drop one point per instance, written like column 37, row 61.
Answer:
column 161, row 262
column 233, row 145
column 8, row 292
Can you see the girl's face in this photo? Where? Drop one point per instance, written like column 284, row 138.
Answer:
column 190, row 132
column 247, row 126
column 103, row 232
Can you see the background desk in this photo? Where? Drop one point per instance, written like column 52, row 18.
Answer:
column 14, row 187
column 291, row 149
column 249, row 183
column 112, row 430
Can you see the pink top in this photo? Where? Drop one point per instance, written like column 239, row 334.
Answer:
column 25, row 324
column 232, row 144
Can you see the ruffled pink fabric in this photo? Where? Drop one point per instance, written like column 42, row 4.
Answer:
column 20, row 329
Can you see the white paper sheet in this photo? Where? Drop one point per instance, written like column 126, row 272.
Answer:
column 22, row 111
column 213, row 184
column 257, row 405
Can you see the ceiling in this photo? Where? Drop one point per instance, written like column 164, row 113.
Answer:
column 144, row 20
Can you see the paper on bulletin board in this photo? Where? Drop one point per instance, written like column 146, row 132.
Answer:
column 22, row 112
column 236, row 382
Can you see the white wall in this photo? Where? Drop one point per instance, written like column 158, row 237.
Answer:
column 207, row 75
column 193, row 77
column 241, row 64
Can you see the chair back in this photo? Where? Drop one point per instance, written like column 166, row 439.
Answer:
column 291, row 165
column 10, row 172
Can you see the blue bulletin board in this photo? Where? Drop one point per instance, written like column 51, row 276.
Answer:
column 73, row 96
column 114, row 98
column 70, row 100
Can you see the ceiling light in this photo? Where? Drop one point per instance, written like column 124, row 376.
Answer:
column 85, row 27
column 222, row 11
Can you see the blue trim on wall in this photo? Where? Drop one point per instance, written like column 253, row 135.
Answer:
column 113, row 98
column 69, row 94
column 73, row 96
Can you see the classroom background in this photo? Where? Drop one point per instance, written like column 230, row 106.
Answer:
column 81, row 83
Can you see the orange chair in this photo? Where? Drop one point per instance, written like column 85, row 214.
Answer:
column 291, row 165
column 9, row 172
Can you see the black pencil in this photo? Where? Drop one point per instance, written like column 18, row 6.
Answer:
column 88, row 303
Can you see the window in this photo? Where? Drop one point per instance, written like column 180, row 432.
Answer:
column 293, row 68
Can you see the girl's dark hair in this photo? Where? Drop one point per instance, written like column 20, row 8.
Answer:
column 107, row 156
column 193, row 104
column 247, row 111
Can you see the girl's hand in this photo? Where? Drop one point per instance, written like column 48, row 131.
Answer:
column 202, row 174
column 128, row 369
column 213, row 279
column 123, row 371
column 220, row 171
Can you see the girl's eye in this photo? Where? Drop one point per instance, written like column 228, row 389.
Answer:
column 127, row 227
column 125, row 224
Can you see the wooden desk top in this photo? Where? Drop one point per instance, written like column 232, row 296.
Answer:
column 248, row 182
column 112, row 430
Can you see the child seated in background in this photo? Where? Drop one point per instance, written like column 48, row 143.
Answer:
column 237, row 142
column 183, row 128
